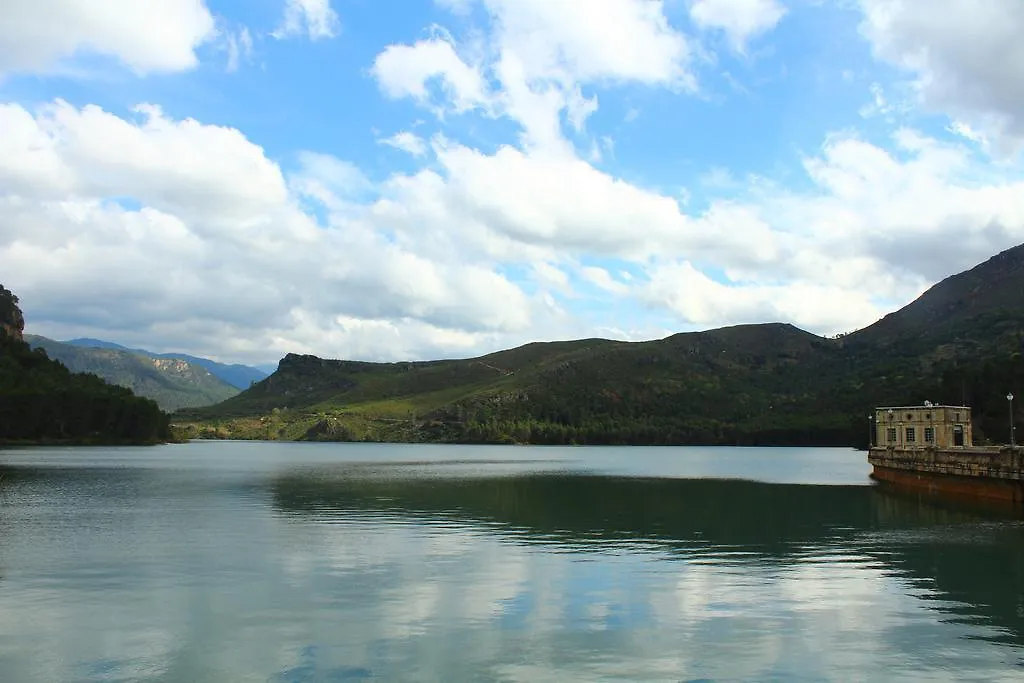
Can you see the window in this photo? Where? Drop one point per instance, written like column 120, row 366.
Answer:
column 929, row 434
column 910, row 416
column 911, row 435
column 890, row 435
column 957, row 419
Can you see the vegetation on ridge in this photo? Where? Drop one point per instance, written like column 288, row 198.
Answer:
column 237, row 375
column 173, row 383
column 749, row 384
column 42, row 401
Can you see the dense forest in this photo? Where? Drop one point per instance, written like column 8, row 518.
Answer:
column 770, row 384
column 41, row 401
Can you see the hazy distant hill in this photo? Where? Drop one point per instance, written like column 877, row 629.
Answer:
column 764, row 384
column 173, row 383
column 238, row 376
column 41, row 401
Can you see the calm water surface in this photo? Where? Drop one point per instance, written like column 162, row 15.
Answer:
column 351, row 562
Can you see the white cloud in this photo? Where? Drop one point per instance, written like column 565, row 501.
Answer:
column 315, row 18
column 537, row 57
column 965, row 131
column 616, row 40
column 548, row 50
column 740, row 20
column 602, row 279
column 155, row 36
column 335, row 183
column 698, row 299
column 219, row 256
column 415, row 267
column 550, row 202
column 871, row 233
column 407, row 70
column 180, row 166
column 551, row 276
column 255, row 261
column 239, row 47
column 967, row 58
column 407, row 142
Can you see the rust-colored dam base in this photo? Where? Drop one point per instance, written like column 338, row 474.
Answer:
column 974, row 472
column 1005, row 490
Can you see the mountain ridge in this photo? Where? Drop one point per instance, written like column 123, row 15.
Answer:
column 236, row 374
column 953, row 305
column 768, row 383
column 172, row 382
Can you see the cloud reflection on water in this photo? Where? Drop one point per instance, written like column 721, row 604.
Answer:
column 340, row 572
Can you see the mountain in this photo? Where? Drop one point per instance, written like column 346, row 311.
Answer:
column 42, row 401
column 688, row 388
column 971, row 311
column 238, row 376
column 172, row 382
column 12, row 323
column 959, row 342
column 90, row 343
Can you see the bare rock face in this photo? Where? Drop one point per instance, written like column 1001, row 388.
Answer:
column 12, row 323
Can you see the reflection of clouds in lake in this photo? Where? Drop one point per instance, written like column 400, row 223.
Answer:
column 189, row 585
column 37, row 621
column 521, row 613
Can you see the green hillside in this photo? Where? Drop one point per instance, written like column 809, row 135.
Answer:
column 235, row 374
column 749, row 384
column 172, row 383
column 42, row 401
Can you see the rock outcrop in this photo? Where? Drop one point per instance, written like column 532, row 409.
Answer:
column 12, row 323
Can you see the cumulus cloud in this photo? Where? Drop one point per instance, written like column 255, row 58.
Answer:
column 542, row 54
column 148, row 226
column 407, row 142
column 602, row 279
column 616, row 40
column 155, row 36
column 154, row 227
column 219, row 244
column 740, row 20
column 698, row 299
column 407, row 71
column 966, row 57
column 871, row 232
column 314, row 18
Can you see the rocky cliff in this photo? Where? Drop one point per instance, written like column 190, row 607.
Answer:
column 12, row 323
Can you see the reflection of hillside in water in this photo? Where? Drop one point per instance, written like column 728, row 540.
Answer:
column 971, row 558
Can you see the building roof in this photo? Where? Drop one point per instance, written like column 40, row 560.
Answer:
column 922, row 407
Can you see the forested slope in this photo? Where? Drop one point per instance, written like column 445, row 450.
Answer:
column 41, row 401
column 960, row 342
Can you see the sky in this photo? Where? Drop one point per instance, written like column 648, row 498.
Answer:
column 415, row 179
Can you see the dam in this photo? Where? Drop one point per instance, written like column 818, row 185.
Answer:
column 930, row 448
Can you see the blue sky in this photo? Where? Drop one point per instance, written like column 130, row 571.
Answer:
column 443, row 178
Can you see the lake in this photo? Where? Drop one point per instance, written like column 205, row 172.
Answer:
column 229, row 561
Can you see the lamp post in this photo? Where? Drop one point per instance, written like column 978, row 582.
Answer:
column 871, row 434
column 1009, row 400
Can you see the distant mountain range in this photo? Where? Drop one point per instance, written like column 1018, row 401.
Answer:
column 238, row 376
column 960, row 342
column 173, row 382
